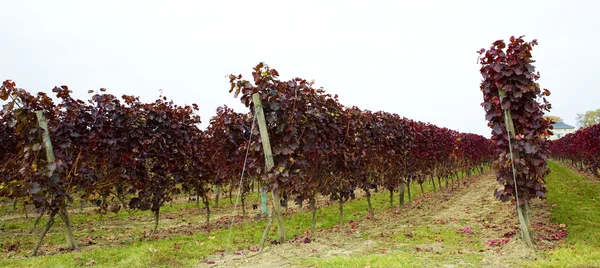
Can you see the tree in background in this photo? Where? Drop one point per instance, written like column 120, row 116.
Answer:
column 590, row 118
column 553, row 118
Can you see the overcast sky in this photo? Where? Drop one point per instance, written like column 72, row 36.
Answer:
column 414, row 58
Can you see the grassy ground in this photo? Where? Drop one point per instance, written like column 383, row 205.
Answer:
column 470, row 228
column 451, row 229
column 465, row 227
column 575, row 202
column 125, row 239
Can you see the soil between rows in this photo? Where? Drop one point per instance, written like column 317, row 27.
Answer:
column 451, row 225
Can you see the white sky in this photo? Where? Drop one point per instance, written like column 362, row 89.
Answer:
column 413, row 58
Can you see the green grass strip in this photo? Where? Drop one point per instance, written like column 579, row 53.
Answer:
column 574, row 201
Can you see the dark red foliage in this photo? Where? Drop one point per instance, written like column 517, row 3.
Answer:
column 306, row 136
column 497, row 242
column 144, row 153
column 582, row 148
column 223, row 151
column 319, row 146
column 509, row 68
column 105, row 145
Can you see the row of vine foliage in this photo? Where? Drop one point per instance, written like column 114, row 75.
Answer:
column 582, row 148
column 514, row 104
column 321, row 147
column 145, row 154
column 139, row 152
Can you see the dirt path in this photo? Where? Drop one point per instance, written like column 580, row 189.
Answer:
column 468, row 220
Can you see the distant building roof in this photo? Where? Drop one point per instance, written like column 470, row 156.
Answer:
column 561, row 125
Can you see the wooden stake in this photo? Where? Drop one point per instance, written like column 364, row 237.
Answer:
column 265, row 233
column 43, row 123
column 50, row 159
column 522, row 210
column 264, row 136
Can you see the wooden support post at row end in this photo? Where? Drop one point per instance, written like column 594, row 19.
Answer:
column 264, row 136
column 522, row 209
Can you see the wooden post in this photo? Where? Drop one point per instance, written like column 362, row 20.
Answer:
column 265, row 233
column 264, row 136
column 263, row 199
column 43, row 123
column 47, row 143
column 522, row 210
